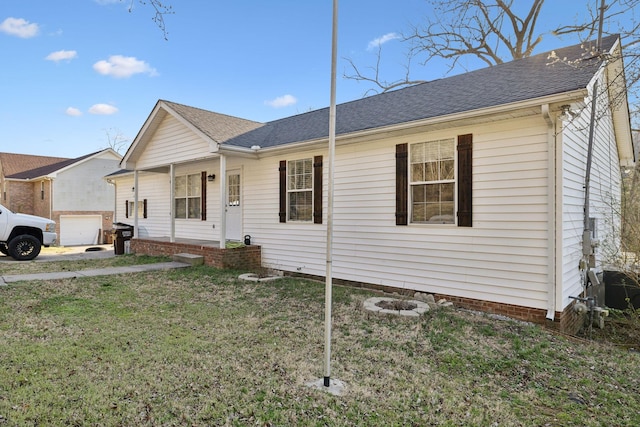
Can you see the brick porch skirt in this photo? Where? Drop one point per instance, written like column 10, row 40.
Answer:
column 242, row 258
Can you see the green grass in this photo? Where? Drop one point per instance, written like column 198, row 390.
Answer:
column 197, row 346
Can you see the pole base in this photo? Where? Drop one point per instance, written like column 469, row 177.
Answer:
column 335, row 387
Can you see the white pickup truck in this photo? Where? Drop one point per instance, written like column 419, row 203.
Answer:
column 22, row 236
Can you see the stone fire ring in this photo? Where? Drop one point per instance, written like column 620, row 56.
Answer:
column 371, row 304
column 252, row 277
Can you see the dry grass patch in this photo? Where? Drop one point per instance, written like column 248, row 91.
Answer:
column 198, row 347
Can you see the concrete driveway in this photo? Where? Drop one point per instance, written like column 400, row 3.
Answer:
column 69, row 253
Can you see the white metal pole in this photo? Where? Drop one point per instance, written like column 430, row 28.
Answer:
column 332, row 148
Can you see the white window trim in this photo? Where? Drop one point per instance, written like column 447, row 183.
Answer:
column 453, row 181
column 186, row 175
column 304, row 190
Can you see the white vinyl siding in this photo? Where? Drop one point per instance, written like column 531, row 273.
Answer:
column 502, row 258
column 156, row 188
column 173, row 142
column 83, row 187
column 604, row 191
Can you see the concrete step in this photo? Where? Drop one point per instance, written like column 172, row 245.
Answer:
column 189, row 259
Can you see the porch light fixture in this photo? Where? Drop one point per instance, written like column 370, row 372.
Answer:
column 211, row 177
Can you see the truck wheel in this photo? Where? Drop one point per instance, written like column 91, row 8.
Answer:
column 3, row 249
column 24, row 247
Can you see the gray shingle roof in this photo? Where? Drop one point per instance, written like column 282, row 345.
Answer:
column 529, row 78
column 46, row 170
column 218, row 127
column 16, row 163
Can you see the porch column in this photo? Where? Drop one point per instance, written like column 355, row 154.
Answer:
column 172, row 203
column 135, row 203
column 223, row 201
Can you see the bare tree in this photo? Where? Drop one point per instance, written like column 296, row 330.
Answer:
column 485, row 29
column 492, row 32
column 116, row 140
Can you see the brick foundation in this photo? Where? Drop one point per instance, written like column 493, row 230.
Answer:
column 249, row 257
column 567, row 321
column 242, row 258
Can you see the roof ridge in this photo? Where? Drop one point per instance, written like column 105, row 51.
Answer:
column 208, row 111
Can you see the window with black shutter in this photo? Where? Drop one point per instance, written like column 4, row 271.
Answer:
column 427, row 184
column 300, row 184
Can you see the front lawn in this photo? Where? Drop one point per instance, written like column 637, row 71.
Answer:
column 197, row 346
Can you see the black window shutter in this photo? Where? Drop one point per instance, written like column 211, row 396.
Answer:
column 402, row 187
column 465, row 143
column 283, row 190
column 317, row 190
column 203, row 196
column 126, row 209
column 144, row 208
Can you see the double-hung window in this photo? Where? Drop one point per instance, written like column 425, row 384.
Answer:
column 188, row 193
column 432, row 181
column 301, row 190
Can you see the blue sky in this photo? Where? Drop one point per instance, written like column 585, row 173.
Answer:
column 75, row 70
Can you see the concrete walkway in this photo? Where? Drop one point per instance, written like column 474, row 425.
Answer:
column 80, row 253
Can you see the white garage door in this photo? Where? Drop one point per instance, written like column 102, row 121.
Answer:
column 79, row 229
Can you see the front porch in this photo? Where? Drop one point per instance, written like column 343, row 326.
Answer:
column 239, row 258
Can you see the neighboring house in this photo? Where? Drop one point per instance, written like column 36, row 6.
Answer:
column 72, row 192
column 469, row 187
column 18, row 195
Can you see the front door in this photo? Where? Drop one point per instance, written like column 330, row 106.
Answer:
column 234, row 206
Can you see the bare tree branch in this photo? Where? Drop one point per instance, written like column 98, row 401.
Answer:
column 487, row 30
column 116, row 140
column 161, row 9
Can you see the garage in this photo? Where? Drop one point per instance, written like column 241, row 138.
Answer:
column 80, row 230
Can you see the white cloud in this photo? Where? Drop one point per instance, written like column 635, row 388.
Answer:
column 282, row 101
column 123, row 67
column 62, row 55
column 19, row 27
column 103, row 109
column 375, row 43
column 71, row 111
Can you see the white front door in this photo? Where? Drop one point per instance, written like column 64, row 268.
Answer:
column 234, row 206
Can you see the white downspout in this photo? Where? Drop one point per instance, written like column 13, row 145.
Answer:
column 172, row 203
column 551, row 211
column 135, row 204
column 223, row 201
